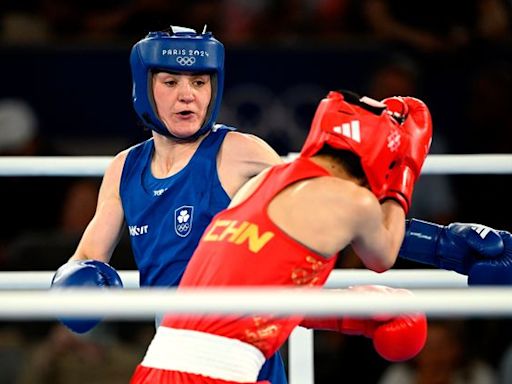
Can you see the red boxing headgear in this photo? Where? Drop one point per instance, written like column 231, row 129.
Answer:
column 359, row 125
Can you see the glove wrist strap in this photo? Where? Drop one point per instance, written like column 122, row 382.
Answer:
column 420, row 242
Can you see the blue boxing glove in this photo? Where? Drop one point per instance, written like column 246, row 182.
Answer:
column 495, row 271
column 85, row 273
column 482, row 253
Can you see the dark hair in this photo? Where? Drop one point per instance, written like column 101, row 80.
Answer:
column 349, row 160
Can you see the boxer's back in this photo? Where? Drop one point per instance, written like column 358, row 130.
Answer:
column 244, row 247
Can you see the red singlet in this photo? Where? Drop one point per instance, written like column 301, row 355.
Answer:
column 243, row 247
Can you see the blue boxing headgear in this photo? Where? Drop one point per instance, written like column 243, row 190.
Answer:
column 177, row 50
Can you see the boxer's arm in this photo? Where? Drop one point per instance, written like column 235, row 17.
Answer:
column 242, row 157
column 105, row 229
column 379, row 230
column 88, row 266
column 380, row 236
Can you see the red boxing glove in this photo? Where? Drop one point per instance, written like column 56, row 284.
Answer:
column 397, row 338
column 416, row 123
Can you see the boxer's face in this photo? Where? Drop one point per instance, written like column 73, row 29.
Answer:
column 182, row 101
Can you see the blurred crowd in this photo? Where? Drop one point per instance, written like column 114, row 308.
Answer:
column 429, row 26
column 463, row 45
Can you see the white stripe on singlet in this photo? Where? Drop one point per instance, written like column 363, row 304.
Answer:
column 204, row 354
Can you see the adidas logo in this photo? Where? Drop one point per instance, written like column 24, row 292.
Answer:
column 350, row 130
column 481, row 230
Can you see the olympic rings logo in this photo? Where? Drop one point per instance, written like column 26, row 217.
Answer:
column 186, row 60
column 393, row 140
column 183, row 227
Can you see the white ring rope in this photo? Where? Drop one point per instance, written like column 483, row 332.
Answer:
column 143, row 303
column 96, row 165
column 53, row 165
column 37, row 304
column 339, row 278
